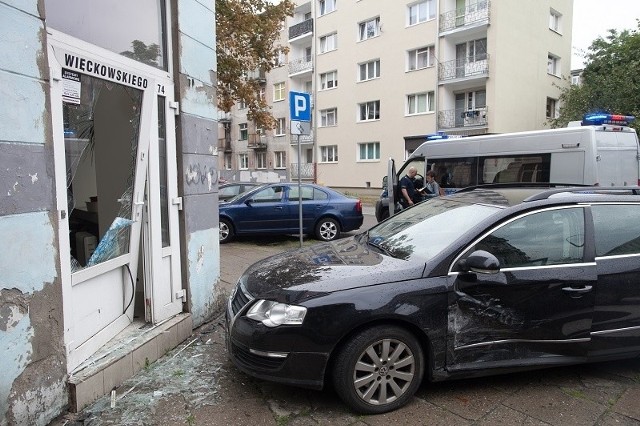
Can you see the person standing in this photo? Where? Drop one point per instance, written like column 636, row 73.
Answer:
column 409, row 195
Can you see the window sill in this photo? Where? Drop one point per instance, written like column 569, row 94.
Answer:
column 368, row 121
column 369, row 79
column 419, row 113
column 377, row 160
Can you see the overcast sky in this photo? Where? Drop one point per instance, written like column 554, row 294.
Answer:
column 592, row 18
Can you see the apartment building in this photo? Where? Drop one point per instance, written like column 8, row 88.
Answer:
column 383, row 75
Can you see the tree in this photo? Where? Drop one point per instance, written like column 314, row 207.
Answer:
column 610, row 79
column 143, row 53
column 246, row 33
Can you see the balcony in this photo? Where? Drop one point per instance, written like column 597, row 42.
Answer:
column 257, row 141
column 258, row 75
column 464, row 69
column 224, row 144
column 304, row 139
column 304, row 28
column 472, row 16
column 300, row 66
column 462, row 119
column 307, row 171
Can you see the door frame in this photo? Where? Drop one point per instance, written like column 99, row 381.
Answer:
column 147, row 79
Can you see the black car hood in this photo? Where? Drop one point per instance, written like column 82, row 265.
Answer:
column 323, row 268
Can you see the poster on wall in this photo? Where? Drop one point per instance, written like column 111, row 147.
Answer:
column 70, row 86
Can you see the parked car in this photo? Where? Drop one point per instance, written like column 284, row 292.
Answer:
column 481, row 282
column 227, row 191
column 274, row 209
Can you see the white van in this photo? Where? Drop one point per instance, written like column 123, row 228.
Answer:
column 600, row 150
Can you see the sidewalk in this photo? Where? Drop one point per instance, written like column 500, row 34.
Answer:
column 195, row 384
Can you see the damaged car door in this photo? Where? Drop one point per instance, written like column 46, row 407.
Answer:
column 523, row 294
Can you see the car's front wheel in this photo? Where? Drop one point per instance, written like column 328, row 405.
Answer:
column 226, row 231
column 379, row 369
column 327, row 229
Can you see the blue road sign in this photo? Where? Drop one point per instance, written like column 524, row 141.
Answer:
column 300, row 106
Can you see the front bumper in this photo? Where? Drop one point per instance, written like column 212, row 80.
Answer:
column 268, row 353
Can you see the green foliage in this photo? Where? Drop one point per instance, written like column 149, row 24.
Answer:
column 610, row 79
column 247, row 32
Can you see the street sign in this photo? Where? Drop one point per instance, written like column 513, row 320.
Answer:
column 300, row 128
column 300, row 106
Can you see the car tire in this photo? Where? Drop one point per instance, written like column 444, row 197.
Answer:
column 226, row 231
column 327, row 229
column 360, row 380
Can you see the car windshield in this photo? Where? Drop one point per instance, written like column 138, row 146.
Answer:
column 427, row 228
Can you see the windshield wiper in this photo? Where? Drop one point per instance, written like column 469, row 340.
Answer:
column 379, row 246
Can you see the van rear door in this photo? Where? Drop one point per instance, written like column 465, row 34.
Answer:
column 618, row 157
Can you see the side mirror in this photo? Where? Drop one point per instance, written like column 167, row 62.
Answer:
column 480, row 262
column 384, row 181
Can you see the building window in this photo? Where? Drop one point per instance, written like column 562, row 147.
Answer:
column 420, row 103
column 261, row 160
column 281, row 59
column 555, row 21
column 369, row 151
column 552, row 108
column 244, row 131
column 227, row 162
column 553, row 65
column 369, row 111
column 327, row 6
column 278, row 92
column 369, row 70
column 243, row 161
column 369, row 29
column 328, row 43
column 422, row 57
column 280, row 159
column 329, row 153
column 329, row 80
column 421, row 12
column 281, row 126
column 328, row 117
column 477, row 50
column 242, row 104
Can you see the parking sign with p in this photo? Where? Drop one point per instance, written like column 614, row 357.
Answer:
column 300, row 106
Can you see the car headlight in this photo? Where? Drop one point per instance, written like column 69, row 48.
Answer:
column 273, row 314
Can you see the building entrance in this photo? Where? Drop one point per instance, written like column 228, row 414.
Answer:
column 116, row 193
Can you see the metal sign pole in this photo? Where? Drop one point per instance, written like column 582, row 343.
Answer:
column 299, row 193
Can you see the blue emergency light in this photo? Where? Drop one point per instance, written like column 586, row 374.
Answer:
column 601, row 118
column 437, row 136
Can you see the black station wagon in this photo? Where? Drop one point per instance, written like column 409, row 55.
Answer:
column 489, row 280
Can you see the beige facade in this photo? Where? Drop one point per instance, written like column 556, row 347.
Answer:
column 384, row 74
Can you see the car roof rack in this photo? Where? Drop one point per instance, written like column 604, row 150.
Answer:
column 577, row 189
column 532, row 185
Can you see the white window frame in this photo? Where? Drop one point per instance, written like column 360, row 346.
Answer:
column 369, row 29
column 477, row 50
column 420, row 12
column 243, row 132
column 371, row 70
column 370, row 108
column 329, row 117
column 278, row 91
column 280, row 159
column 329, row 154
column 243, row 161
column 420, row 58
column 553, row 65
column 329, row 80
column 227, row 162
column 551, row 102
column 415, row 100
column 329, row 42
column 555, row 21
column 326, row 6
column 369, row 148
column 261, row 160
column 281, row 126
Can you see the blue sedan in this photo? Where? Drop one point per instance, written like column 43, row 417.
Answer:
column 273, row 209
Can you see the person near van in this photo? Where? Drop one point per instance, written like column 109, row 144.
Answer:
column 432, row 188
column 409, row 194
